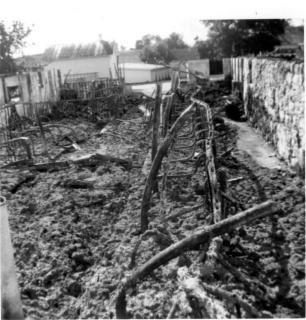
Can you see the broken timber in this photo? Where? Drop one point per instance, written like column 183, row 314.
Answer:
column 190, row 243
column 90, row 160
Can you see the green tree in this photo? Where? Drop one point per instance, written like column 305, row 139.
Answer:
column 228, row 38
column 12, row 39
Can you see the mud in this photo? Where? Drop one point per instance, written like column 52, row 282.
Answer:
column 73, row 245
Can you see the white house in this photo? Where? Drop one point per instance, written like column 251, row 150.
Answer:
column 143, row 72
column 92, row 58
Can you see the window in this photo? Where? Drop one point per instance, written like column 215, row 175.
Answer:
column 14, row 93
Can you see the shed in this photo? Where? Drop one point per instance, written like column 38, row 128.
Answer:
column 143, row 72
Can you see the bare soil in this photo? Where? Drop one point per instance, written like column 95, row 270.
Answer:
column 73, row 244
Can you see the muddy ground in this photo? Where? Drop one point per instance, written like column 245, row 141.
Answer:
column 73, row 244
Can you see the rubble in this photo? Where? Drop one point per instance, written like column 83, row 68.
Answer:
column 76, row 221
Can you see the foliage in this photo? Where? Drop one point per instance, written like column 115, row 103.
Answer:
column 107, row 47
column 175, row 41
column 11, row 40
column 158, row 50
column 228, row 38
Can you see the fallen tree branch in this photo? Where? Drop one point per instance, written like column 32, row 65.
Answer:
column 156, row 120
column 77, row 184
column 259, row 211
column 166, row 115
column 98, row 158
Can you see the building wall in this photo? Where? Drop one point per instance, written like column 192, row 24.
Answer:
column 143, row 75
column 34, row 87
column 101, row 65
column 274, row 100
column 137, row 76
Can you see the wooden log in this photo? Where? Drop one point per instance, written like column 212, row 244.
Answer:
column 166, row 116
column 98, row 158
column 77, row 184
column 221, row 173
column 56, row 165
column 259, row 211
column 156, row 120
column 211, row 176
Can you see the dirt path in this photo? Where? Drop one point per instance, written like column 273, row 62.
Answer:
column 252, row 143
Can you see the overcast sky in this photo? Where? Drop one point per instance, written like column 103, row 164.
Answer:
column 125, row 21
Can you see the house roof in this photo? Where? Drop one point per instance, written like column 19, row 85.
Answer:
column 141, row 66
column 92, row 49
column 31, row 62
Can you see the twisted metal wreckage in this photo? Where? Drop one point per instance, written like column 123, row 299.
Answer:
column 184, row 131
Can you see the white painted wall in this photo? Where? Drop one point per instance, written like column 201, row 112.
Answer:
column 136, row 76
column 101, row 65
column 143, row 75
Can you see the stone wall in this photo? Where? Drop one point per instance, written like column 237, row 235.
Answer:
column 273, row 96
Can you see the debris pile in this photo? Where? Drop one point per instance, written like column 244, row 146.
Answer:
column 156, row 217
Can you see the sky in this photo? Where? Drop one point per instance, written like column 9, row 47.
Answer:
column 56, row 22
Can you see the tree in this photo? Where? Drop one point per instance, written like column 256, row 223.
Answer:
column 175, row 41
column 154, row 49
column 107, row 47
column 228, row 38
column 11, row 40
